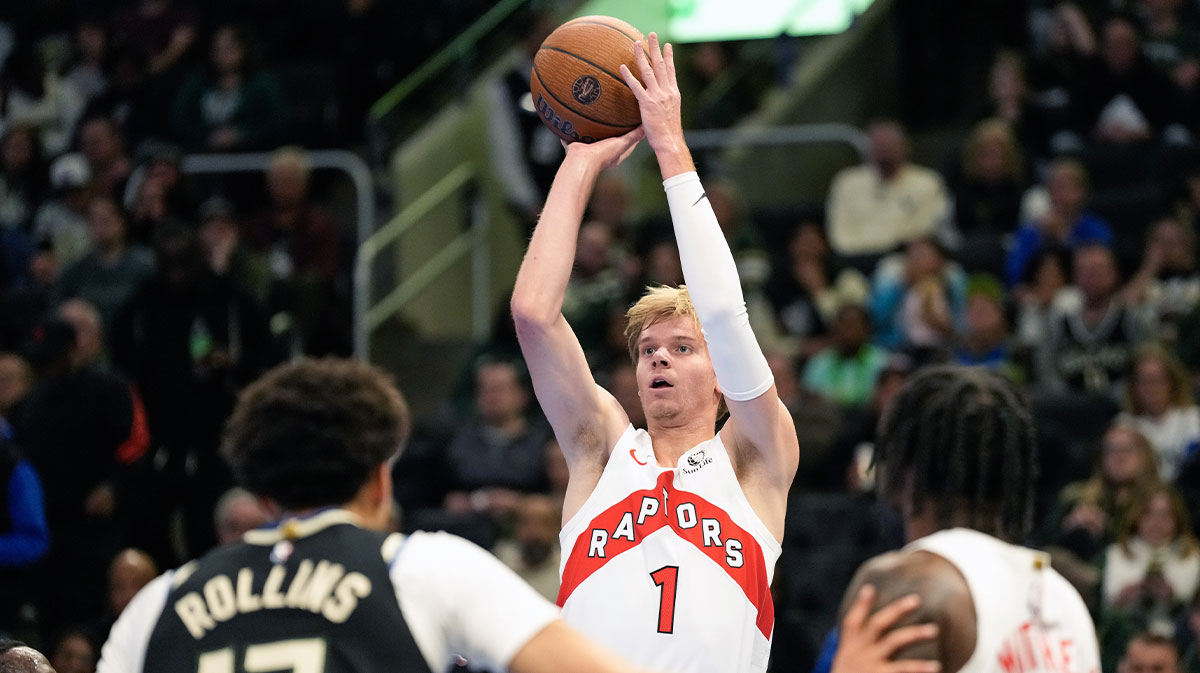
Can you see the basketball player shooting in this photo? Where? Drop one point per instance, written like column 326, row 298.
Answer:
column 670, row 534
column 956, row 453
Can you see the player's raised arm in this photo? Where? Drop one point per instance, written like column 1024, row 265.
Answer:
column 759, row 421
column 586, row 420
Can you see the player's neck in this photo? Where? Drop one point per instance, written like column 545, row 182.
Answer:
column 671, row 442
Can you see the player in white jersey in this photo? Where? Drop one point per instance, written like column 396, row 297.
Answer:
column 671, row 534
column 956, row 453
column 325, row 589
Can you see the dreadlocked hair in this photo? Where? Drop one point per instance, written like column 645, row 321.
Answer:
column 961, row 439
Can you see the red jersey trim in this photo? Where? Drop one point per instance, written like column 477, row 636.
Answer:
column 751, row 575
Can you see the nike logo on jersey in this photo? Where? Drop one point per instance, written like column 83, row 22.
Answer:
column 703, row 195
column 633, row 455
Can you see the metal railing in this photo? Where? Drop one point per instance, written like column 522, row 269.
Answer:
column 342, row 160
column 473, row 241
column 369, row 315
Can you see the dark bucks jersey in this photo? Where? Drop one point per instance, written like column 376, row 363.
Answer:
column 309, row 601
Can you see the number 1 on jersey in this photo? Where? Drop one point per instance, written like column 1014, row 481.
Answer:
column 666, row 578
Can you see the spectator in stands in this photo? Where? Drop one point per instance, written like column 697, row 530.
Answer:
column 1150, row 653
column 16, row 378
column 22, row 178
column 612, row 202
column 129, row 571
column 498, row 454
column 101, row 144
column 622, row 383
column 63, row 219
column 886, row 202
column 596, row 285
column 987, row 197
column 190, row 342
column 129, row 99
column 237, row 511
column 1010, row 101
column 822, row 419
column 1064, row 222
column 89, row 48
column 162, row 31
column 1171, row 43
column 90, row 349
column 74, row 652
column 854, row 446
column 803, row 291
column 24, row 535
column 1123, row 98
column 1169, row 277
column 918, row 298
column 533, row 552
column 302, row 245
column 986, row 340
column 24, row 299
column 109, row 274
column 1070, row 47
column 846, row 371
column 227, row 255
column 661, row 266
column 1090, row 513
column 1151, row 572
column 1159, row 403
column 80, row 430
column 1090, row 341
column 233, row 105
column 557, row 473
column 524, row 153
column 32, row 96
column 1046, row 283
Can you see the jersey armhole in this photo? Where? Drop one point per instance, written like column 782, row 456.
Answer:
column 575, row 524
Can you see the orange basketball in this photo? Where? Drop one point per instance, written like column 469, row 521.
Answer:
column 576, row 80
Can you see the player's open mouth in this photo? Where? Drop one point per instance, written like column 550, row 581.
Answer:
column 660, row 383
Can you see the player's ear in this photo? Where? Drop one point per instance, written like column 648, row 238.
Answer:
column 272, row 508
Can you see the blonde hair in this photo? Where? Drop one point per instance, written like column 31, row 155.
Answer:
column 659, row 303
column 1183, row 525
column 1177, row 377
column 992, row 130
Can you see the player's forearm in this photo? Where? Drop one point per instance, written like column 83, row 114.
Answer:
column 716, row 291
column 546, row 269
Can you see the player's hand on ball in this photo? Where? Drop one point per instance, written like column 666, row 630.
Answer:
column 658, row 100
column 868, row 642
column 608, row 152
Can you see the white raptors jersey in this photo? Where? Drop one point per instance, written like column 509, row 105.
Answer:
column 1028, row 618
column 670, row 567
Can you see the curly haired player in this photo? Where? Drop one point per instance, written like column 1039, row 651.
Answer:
column 956, row 452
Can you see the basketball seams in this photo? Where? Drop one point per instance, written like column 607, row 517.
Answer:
column 567, row 105
column 585, row 21
column 577, row 57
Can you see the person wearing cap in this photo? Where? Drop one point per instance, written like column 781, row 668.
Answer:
column 62, row 220
column 985, row 340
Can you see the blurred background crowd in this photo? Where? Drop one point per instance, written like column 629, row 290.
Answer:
column 1052, row 238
